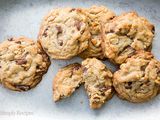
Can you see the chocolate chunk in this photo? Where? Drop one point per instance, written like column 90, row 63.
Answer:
column 132, row 52
column 149, row 48
column 112, row 17
column 10, row 39
column 106, row 32
column 106, row 77
column 102, row 87
column 38, row 67
column 45, row 32
column 128, row 85
column 18, row 42
column 128, row 50
column 153, row 29
column 22, row 87
column 147, row 82
column 141, row 85
column 0, row 66
column 123, row 51
column 143, row 67
column 105, row 88
column 60, row 42
column 59, row 29
column 77, row 67
column 26, row 54
column 73, row 9
column 78, row 25
column 110, row 31
column 74, row 69
column 21, row 61
column 84, row 69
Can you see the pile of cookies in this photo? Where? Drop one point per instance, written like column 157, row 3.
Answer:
column 94, row 34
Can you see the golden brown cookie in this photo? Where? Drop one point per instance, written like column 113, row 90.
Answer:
column 126, row 34
column 138, row 79
column 64, row 33
column 22, row 63
column 66, row 81
column 96, row 16
column 97, row 81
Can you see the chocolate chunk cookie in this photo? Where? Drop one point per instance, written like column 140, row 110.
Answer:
column 64, row 33
column 66, row 81
column 138, row 79
column 22, row 63
column 126, row 34
column 96, row 16
column 98, row 82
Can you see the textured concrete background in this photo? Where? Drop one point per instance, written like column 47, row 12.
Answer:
column 23, row 17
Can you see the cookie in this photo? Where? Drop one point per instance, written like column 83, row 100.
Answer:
column 64, row 33
column 96, row 15
column 138, row 79
column 97, row 81
column 126, row 34
column 22, row 63
column 66, row 81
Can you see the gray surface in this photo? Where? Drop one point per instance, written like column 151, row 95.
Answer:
column 23, row 17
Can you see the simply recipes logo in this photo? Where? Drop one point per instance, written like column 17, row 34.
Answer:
column 16, row 113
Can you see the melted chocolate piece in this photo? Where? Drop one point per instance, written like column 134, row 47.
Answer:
column 103, row 87
column 143, row 67
column 77, row 67
column 45, row 32
column 78, row 25
column 111, row 31
column 10, row 39
column 18, row 42
column 84, row 69
column 60, row 42
column 22, row 87
column 153, row 29
column 128, row 85
column 73, row 9
column 21, row 61
column 126, row 49
column 59, row 29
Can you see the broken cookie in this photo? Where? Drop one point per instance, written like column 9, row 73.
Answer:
column 97, row 81
column 66, row 81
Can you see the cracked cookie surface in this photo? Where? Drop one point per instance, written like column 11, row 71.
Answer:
column 124, row 35
column 138, row 79
column 22, row 63
column 64, row 33
column 96, row 15
column 66, row 81
column 97, row 81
